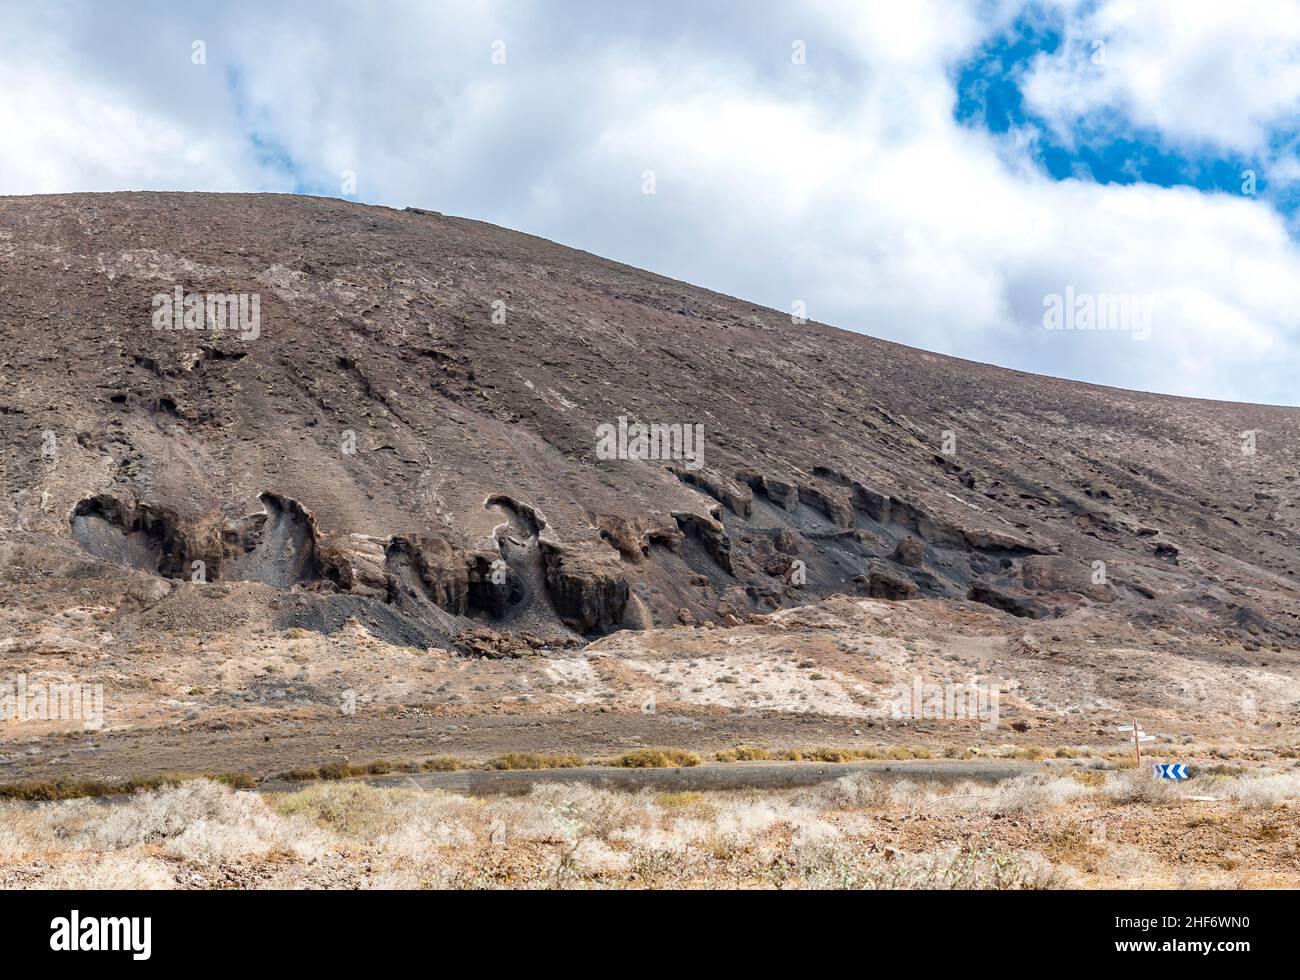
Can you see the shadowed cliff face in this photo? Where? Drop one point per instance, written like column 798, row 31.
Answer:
column 435, row 426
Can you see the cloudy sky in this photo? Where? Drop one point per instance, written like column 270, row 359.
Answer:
column 927, row 172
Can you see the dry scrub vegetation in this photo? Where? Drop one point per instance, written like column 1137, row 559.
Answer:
column 1084, row 828
column 648, row 758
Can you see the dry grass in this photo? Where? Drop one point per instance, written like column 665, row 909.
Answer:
column 744, row 753
column 655, row 759
column 342, row 769
column 750, row 753
column 338, row 769
column 680, row 801
column 1138, row 786
column 861, row 830
column 1263, row 791
column 444, row 763
column 1091, row 778
column 533, row 760
column 199, row 821
column 45, row 790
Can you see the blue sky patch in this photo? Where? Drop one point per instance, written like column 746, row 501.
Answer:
column 1103, row 147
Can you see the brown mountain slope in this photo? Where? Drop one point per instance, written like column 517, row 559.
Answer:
column 411, row 440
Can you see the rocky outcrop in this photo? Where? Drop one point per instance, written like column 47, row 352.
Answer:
column 1167, row 551
column 483, row 641
column 366, row 557
column 586, row 587
column 428, row 567
column 133, row 535
column 1053, row 573
column 787, row 542
column 884, row 582
column 782, row 493
column 1008, row 600
column 1004, row 540
column 909, row 551
column 834, row 503
column 876, row 505
column 736, row 497
column 711, row 534
column 281, row 547
column 633, row 537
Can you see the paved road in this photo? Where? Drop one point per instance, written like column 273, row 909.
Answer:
column 709, row 776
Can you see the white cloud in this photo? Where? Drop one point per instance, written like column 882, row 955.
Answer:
column 61, row 135
column 843, row 182
column 1198, row 71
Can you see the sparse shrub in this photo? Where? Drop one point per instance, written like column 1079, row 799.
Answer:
column 1139, row 786
column 823, row 754
column 1221, row 769
column 381, row 816
column 116, row 872
column 565, row 834
column 199, row 820
column 677, row 801
column 594, row 858
column 891, row 752
column 443, row 763
column 335, row 770
column 533, row 760
column 44, row 789
column 1264, row 791
column 649, row 864
column 859, row 790
column 237, row 780
column 744, row 753
column 1033, row 753
column 1128, row 863
column 656, row 759
column 576, row 810
column 836, row 865
column 1087, row 777
column 72, row 789
column 1030, row 793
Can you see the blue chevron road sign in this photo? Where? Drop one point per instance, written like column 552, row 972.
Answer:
column 1171, row 770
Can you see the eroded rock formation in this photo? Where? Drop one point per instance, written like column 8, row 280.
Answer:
column 386, row 451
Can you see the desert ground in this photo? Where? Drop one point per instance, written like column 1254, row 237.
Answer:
column 1065, row 828
column 820, row 676
column 323, row 571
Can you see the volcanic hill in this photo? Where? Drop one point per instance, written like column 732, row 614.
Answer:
column 404, row 451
